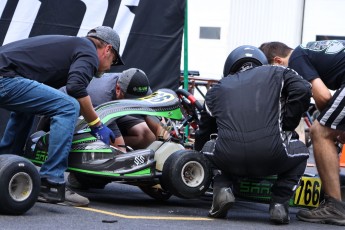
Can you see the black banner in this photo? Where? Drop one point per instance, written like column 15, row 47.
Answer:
column 150, row 30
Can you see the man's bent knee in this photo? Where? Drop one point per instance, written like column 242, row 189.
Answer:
column 318, row 131
column 71, row 106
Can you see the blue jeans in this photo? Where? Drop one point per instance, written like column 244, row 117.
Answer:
column 27, row 98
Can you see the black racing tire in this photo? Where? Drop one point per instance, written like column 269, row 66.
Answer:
column 155, row 193
column 19, row 185
column 186, row 174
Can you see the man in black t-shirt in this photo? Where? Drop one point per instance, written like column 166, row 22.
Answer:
column 322, row 63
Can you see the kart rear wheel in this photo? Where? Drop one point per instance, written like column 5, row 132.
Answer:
column 19, row 185
column 186, row 174
column 156, row 193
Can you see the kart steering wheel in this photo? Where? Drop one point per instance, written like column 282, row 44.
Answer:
column 190, row 106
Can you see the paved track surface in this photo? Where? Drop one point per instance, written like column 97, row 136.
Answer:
column 121, row 206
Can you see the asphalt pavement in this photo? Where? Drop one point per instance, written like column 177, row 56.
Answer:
column 126, row 207
column 121, row 206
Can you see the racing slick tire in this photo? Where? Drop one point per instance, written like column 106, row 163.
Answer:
column 186, row 174
column 155, row 193
column 19, row 185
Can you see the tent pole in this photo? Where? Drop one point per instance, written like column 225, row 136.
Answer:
column 185, row 37
column 185, row 68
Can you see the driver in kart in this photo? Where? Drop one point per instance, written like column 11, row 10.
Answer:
column 254, row 110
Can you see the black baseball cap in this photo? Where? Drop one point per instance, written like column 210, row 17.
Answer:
column 134, row 83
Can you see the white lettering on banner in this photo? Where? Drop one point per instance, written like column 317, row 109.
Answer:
column 94, row 15
column 2, row 6
column 124, row 21
column 22, row 20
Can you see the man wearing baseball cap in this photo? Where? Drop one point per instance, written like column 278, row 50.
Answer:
column 31, row 72
column 109, row 36
column 134, row 83
column 131, row 83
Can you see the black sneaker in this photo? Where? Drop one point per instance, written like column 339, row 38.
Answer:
column 223, row 199
column 279, row 213
column 51, row 192
column 330, row 211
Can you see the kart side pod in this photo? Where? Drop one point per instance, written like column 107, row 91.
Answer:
column 163, row 151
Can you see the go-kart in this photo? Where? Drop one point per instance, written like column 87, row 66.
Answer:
column 165, row 168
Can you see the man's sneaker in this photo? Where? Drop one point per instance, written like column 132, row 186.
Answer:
column 74, row 199
column 330, row 211
column 279, row 213
column 51, row 192
column 223, row 199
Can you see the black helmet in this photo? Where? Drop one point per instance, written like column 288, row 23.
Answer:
column 244, row 56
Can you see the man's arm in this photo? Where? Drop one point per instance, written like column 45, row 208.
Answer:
column 87, row 110
column 298, row 93
column 321, row 94
column 99, row 130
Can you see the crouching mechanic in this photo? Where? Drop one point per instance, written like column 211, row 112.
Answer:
column 255, row 109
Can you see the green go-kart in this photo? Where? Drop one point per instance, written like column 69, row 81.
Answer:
column 163, row 169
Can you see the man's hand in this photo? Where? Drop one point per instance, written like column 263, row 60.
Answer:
column 103, row 133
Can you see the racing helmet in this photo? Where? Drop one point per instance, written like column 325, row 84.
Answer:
column 243, row 58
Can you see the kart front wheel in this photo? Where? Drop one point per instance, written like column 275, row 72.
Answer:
column 156, row 193
column 186, row 174
column 19, row 185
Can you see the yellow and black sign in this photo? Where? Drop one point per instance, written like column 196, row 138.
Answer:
column 309, row 192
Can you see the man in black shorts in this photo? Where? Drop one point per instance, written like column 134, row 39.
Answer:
column 322, row 63
column 255, row 109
